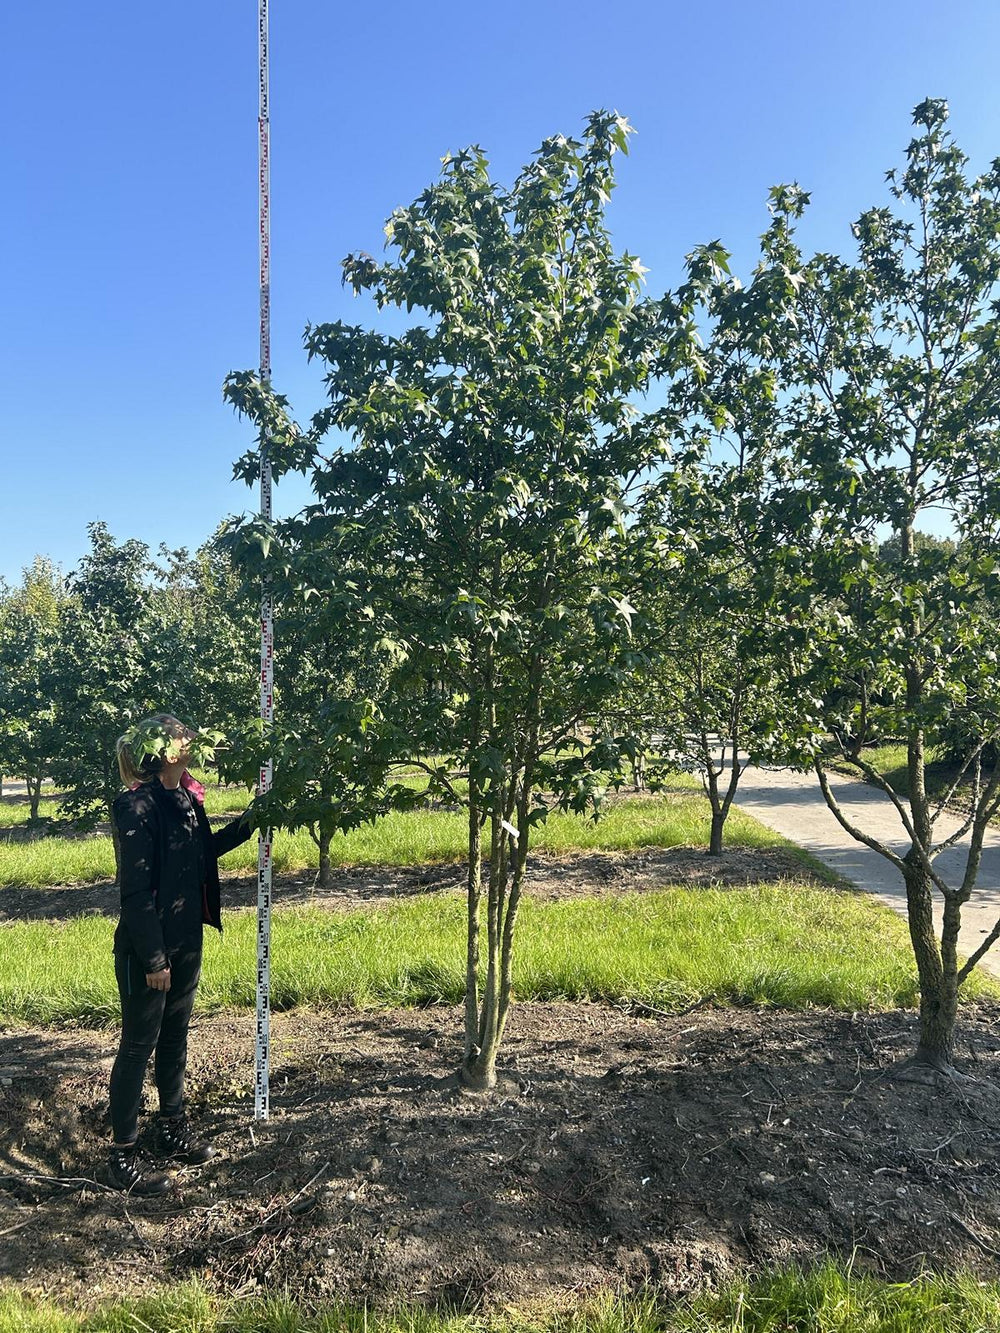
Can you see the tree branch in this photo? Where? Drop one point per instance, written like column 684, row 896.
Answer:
column 852, row 829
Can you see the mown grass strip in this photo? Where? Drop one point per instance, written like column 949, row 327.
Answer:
column 219, row 801
column 829, row 1300
column 15, row 814
column 832, row 1299
column 418, row 837
column 773, row 944
column 891, row 762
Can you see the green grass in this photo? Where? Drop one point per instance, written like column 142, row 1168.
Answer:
column 776, row 944
column 13, row 814
column 226, row 800
column 828, row 1300
column 407, row 839
column 833, row 1300
column 891, row 762
column 218, row 801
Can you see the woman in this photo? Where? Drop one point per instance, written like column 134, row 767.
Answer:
column 169, row 888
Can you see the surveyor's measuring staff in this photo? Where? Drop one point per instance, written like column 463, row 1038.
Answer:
column 262, row 1094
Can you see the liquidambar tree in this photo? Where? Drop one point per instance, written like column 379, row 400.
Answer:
column 484, row 506
column 891, row 382
column 711, row 694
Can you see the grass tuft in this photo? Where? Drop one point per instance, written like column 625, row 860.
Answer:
column 830, row 1299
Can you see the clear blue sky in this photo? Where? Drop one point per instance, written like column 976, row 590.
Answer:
column 129, row 224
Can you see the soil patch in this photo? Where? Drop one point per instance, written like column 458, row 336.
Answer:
column 590, row 874
column 620, row 1149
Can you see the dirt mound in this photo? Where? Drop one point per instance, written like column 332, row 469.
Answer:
column 620, row 1148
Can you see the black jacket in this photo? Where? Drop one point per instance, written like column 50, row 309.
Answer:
column 142, row 829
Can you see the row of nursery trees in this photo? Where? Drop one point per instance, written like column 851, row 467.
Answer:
column 566, row 532
column 85, row 655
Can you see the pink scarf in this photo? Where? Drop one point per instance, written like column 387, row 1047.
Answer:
column 187, row 781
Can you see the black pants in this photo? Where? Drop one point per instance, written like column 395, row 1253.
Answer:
column 152, row 1020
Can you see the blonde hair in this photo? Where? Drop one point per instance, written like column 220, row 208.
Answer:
column 142, row 770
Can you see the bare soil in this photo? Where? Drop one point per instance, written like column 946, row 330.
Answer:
column 549, row 877
column 620, row 1148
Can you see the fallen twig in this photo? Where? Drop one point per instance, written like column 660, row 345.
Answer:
column 642, row 1007
column 983, row 1245
column 8, row 1230
column 135, row 1227
column 67, row 1181
column 274, row 1213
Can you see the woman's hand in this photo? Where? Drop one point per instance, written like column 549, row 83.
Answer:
column 158, row 980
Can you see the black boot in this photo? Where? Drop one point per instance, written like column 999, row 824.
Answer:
column 174, row 1140
column 128, row 1171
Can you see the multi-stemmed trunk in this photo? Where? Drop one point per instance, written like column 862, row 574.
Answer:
column 937, row 963
column 488, row 997
column 504, row 806
column 712, row 759
column 939, row 972
column 488, row 1003
column 720, row 798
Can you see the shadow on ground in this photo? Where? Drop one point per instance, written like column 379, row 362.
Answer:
column 618, row 1149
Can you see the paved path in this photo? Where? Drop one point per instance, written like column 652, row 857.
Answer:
column 792, row 804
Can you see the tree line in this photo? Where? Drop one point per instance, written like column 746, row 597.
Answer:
column 580, row 534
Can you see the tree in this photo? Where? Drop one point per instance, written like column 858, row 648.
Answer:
column 711, row 695
column 330, row 747
column 200, row 603
column 710, row 690
column 29, row 626
column 482, row 515
column 114, row 664
column 890, row 380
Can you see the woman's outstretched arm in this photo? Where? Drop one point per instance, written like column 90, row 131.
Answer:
column 233, row 834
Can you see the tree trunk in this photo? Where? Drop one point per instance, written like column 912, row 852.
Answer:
column 474, row 893
column 719, row 811
column 34, row 786
column 938, row 1012
column 507, row 954
column 937, row 973
column 937, row 966
column 324, row 880
column 479, row 1071
column 715, row 838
